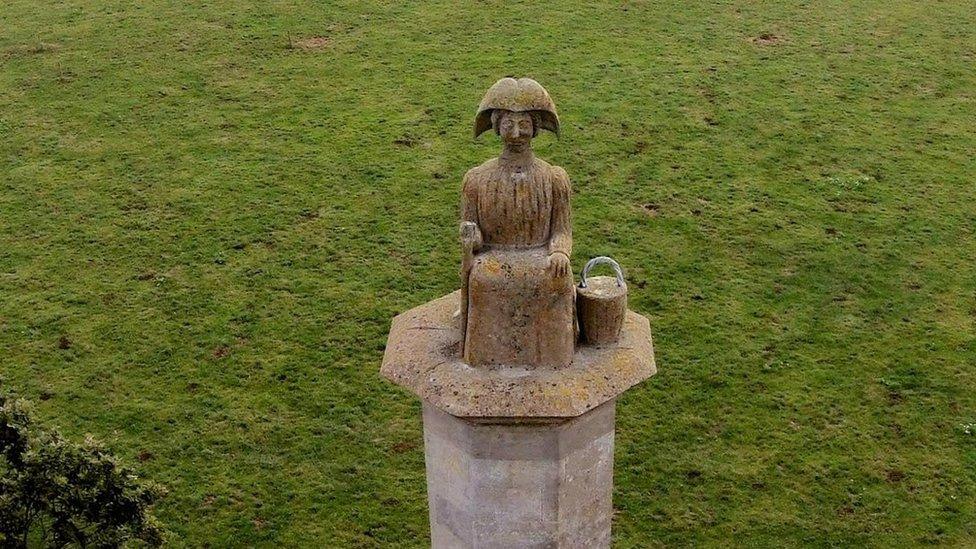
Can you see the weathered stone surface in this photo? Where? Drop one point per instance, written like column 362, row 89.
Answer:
column 517, row 299
column 422, row 355
column 515, row 484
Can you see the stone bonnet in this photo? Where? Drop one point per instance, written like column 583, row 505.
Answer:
column 522, row 95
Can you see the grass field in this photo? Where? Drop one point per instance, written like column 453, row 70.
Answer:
column 209, row 213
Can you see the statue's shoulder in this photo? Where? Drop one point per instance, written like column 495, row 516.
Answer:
column 486, row 167
column 558, row 174
column 478, row 173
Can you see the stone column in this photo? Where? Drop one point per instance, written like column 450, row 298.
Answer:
column 515, row 457
column 512, row 483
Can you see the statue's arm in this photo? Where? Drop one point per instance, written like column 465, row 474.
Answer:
column 470, row 231
column 561, row 236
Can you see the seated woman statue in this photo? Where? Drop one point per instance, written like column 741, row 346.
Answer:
column 517, row 286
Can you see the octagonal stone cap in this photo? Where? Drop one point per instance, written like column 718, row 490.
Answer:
column 422, row 355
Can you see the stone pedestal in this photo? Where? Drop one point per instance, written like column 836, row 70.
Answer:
column 513, row 484
column 515, row 457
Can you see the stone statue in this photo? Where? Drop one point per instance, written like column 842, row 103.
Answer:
column 517, row 292
column 518, row 418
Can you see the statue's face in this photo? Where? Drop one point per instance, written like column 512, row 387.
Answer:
column 515, row 128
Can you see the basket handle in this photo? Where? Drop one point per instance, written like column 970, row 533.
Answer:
column 600, row 260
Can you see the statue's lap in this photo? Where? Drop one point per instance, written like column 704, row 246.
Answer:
column 519, row 313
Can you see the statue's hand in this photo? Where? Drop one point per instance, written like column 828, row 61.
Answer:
column 470, row 235
column 559, row 264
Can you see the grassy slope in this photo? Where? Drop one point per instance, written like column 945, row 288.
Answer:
column 218, row 226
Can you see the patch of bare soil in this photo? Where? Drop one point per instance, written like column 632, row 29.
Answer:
column 766, row 39
column 404, row 446
column 311, row 43
column 23, row 50
column 895, row 475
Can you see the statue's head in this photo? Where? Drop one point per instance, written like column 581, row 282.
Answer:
column 515, row 128
column 516, row 110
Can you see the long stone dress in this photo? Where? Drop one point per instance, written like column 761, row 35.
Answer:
column 519, row 314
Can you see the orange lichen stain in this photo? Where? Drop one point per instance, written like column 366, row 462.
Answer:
column 620, row 362
column 492, row 265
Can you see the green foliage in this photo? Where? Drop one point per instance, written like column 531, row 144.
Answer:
column 56, row 493
column 209, row 212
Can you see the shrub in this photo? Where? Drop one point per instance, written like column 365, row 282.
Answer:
column 56, row 493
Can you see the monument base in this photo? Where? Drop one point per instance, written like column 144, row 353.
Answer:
column 519, row 482
column 516, row 457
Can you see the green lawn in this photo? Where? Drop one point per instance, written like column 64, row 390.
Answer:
column 210, row 212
